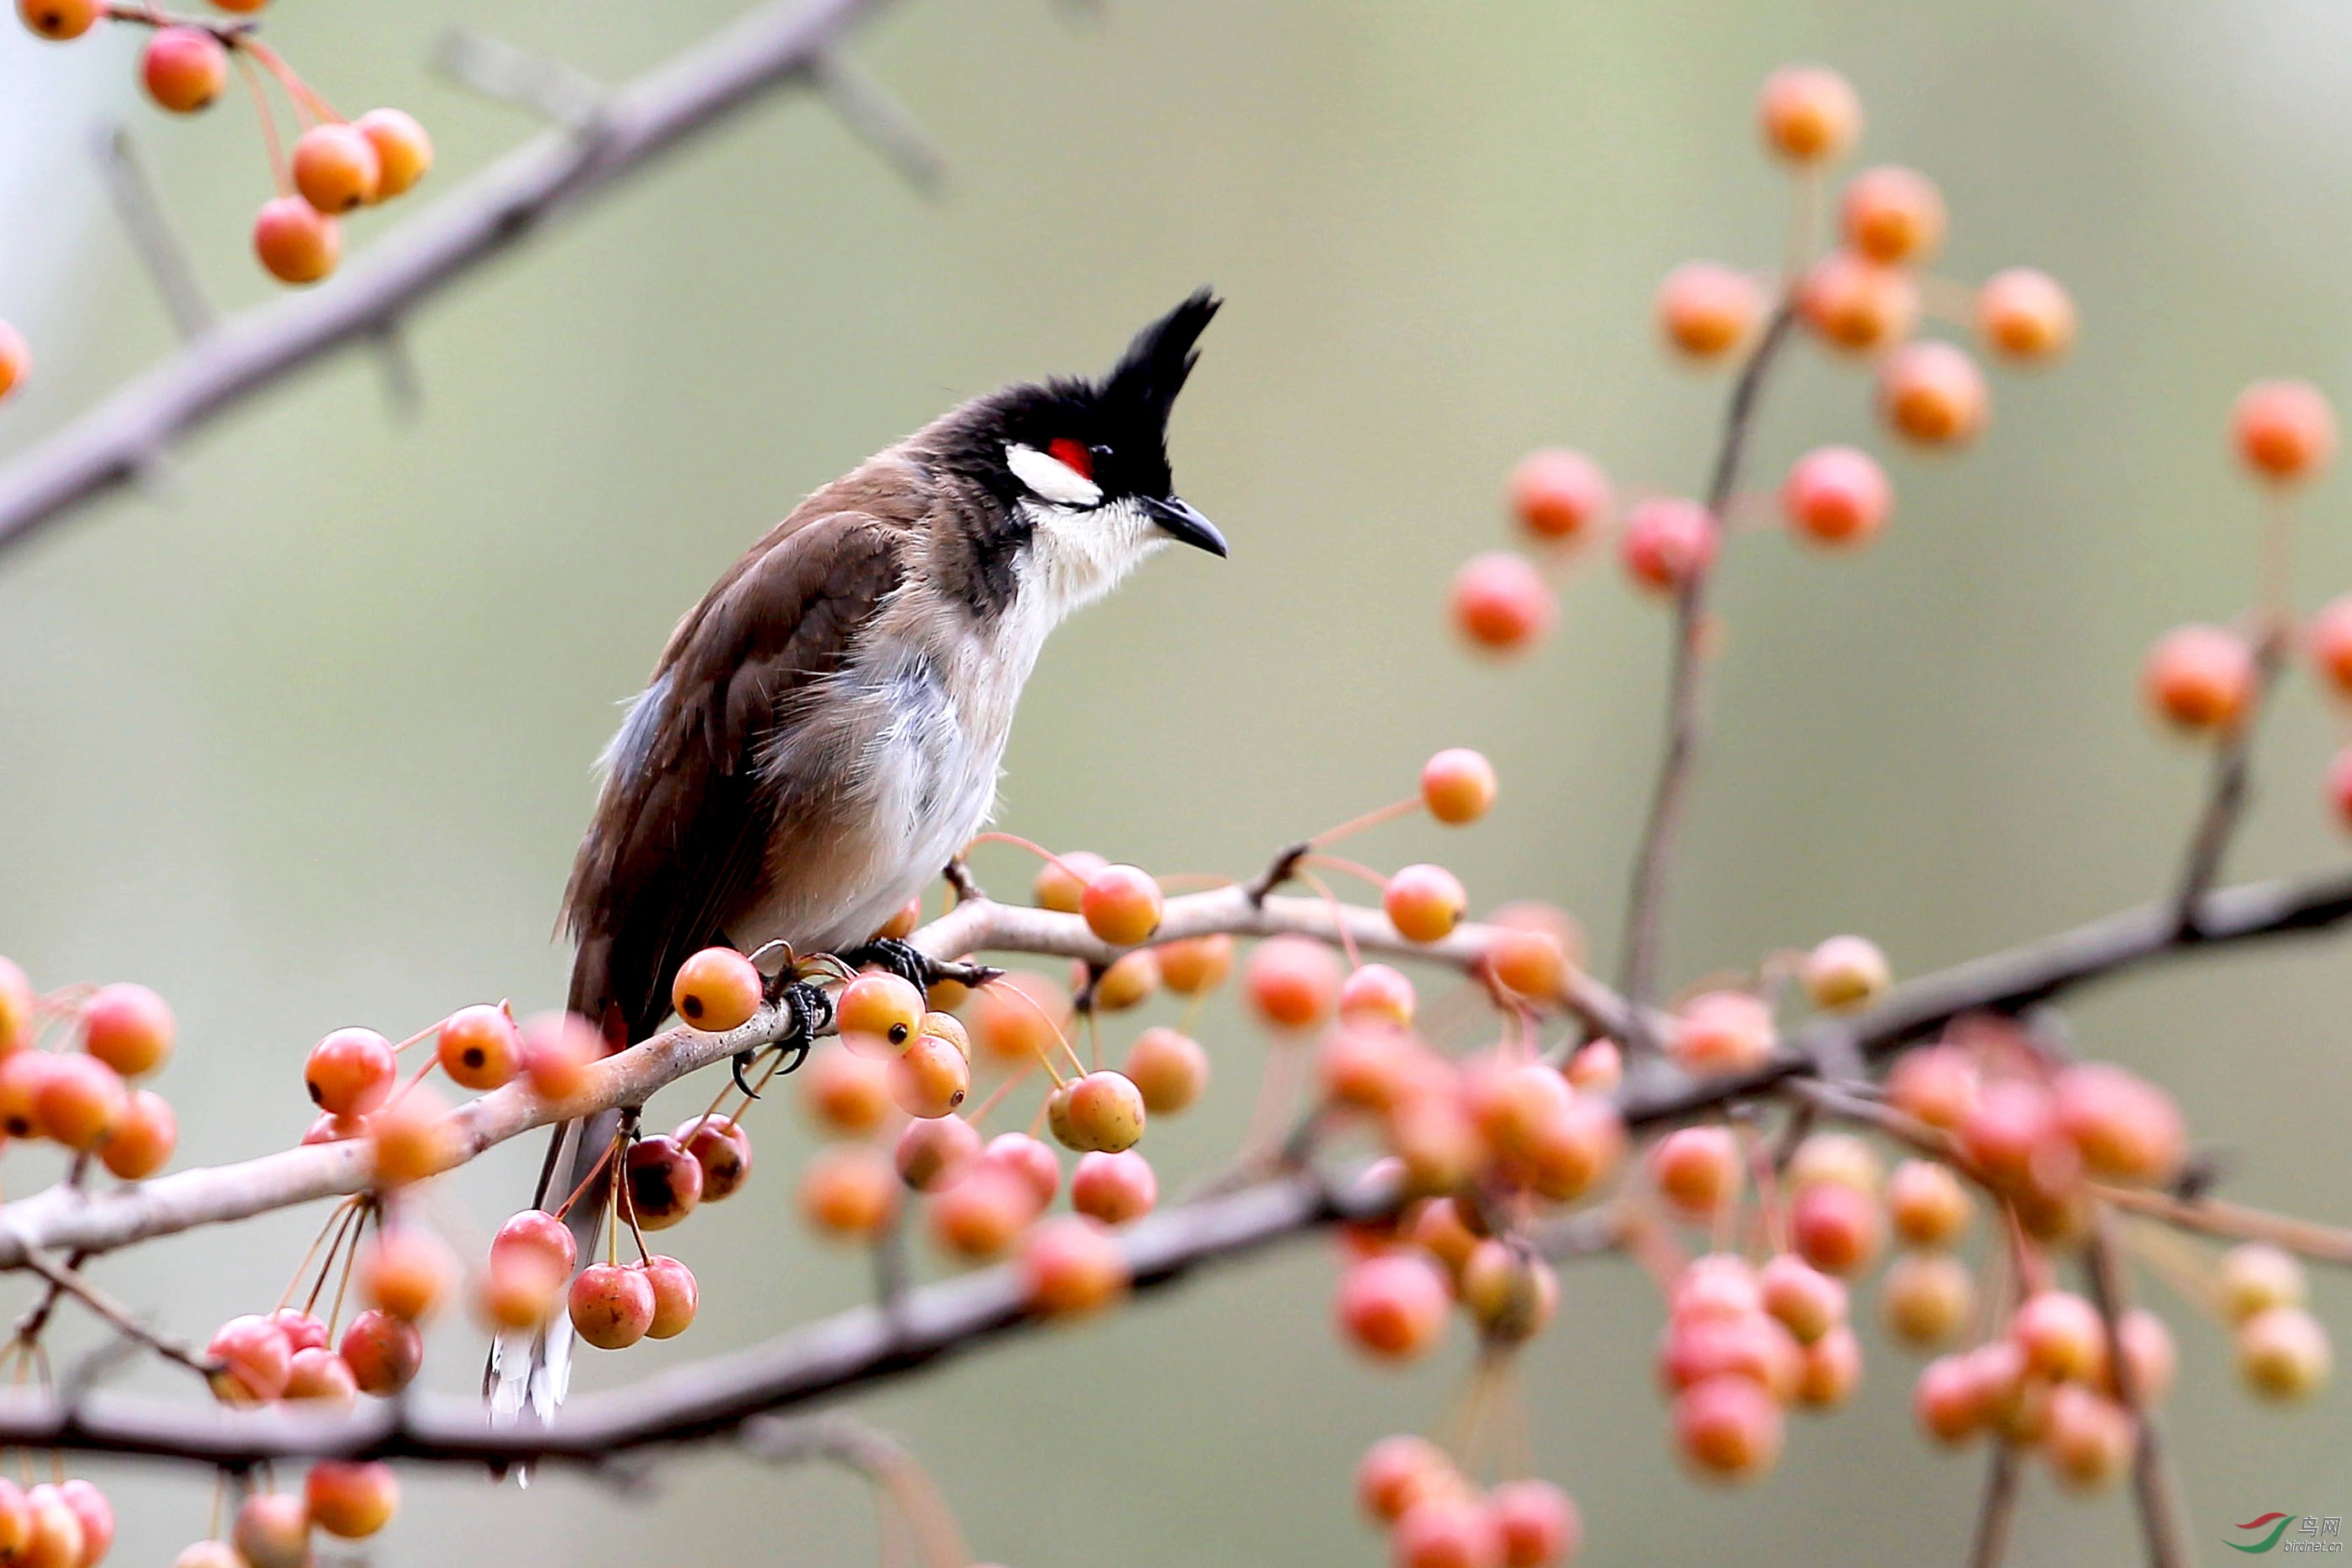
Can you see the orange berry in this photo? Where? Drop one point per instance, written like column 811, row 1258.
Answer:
column 1705, row 310
column 480, row 1048
column 256, row 1359
column 1132, row 978
column 1722, row 1031
column 849, row 1191
column 2146, row 1349
column 16, row 1008
column 1936, row 1084
column 128, row 1028
column 22, row 1078
column 184, row 68
column 1105, row 1112
column 612, row 1306
column 1598, row 1067
column 403, row 153
column 1932, row 394
column 722, row 1148
column 716, row 989
column 2283, row 1353
column 243, row 7
column 1832, row 1369
column 1168, row 1069
column 1539, row 1523
column 2256, row 1276
column 143, row 1138
column 1510, row 1294
column 295, row 240
column 1061, row 882
column 933, row 1155
column 1501, row 604
column 79, row 1101
column 1807, row 1302
column 1448, row 1528
column 1114, row 1188
column 1854, row 303
column 1016, row 1019
column 1558, row 494
column 879, row 1012
column 1836, row 496
column 1846, row 971
column 1458, row 785
column 1893, row 214
column 2199, row 678
column 2126, row 1128
column 1424, row 902
column 2024, row 316
column 1808, row 115
column 1397, row 1472
column 59, row 20
column 1926, row 1297
column 557, row 1048
column 2285, row 430
column 1293, row 982
column 1836, row 1227
column 15, row 358
column 405, row 1272
column 1392, row 1306
column 1070, row 1265
column 1376, row 993
column 931, row 1078
column 1667, row 541
column 677, row 1297
column 1528, row 964
column 1572, row 1153
column 350, row 1072
column 95, row 1515
column 272, row 1531
column 1929, row 1206
column 2090, row 1438
column 383, row 1352
column 412, row 1138
column 2062, row 1336
column 663, row 1183
column 1192, row 965
column 1727, row 1428
column 336, row 167
column 1696, row 1169
column 978, row 1216
column 845, row 1094
column 1121, row 905
column 2327, row 638
column 1839, row 1159
column 351, row 1500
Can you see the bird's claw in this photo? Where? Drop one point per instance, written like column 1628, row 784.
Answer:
column 901, row 958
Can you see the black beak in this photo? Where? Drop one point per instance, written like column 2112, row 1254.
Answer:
column 1180, row 522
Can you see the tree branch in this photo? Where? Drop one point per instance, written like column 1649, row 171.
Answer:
column 1686, row 701
column 480, row 219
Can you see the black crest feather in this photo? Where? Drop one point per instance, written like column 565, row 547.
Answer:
column 1144, row 383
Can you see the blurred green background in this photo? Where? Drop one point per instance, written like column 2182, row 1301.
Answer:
column 302, row 736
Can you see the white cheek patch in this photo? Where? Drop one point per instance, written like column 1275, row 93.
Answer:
column 1050, row 477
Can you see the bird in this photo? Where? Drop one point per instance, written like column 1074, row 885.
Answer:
column 824, row 732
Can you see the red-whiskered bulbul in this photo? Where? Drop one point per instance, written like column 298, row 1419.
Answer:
column 823, row 733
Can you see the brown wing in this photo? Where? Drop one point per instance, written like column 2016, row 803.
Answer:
column 678, row 836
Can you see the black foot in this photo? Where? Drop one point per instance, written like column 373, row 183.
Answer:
column 903, row 959
column 808, row 1011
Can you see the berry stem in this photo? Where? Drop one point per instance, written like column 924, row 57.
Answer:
column 1356, row 825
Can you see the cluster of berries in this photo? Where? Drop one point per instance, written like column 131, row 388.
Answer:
column 335, row 167
column 79, row 1092
column 348, row 1499
column 1863, row 300
column 2208, row 681
column 56, row 1524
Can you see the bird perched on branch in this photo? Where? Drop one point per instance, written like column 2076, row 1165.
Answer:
column 822, row 734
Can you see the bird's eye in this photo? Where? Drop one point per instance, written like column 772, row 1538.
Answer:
column 1078, row 460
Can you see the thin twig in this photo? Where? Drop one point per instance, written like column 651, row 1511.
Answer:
column 2235, row 1222
column 117, row 1316
column 1685, row 696
column 1998, row 1511
column 548, row 87
column 2232, row 786
column 2154, row 1488
column 880, row 121
column 152, row 234
column 738, row 66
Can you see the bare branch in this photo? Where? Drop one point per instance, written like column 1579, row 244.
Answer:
column 152, row 236
column 107, row 447
column 880, row 121
column 2153, row 1487
column 1998, row 1511
column 1685, row 700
